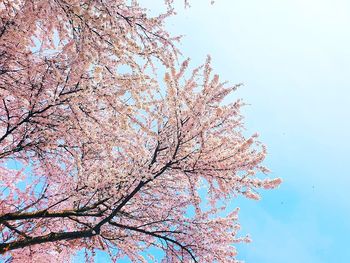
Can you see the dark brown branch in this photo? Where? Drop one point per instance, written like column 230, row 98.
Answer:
column 52, row 237
column 45, row 214
column 54, row 214
column 15, row 230
column 154, row 234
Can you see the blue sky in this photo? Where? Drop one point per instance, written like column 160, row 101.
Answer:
column 293, row 57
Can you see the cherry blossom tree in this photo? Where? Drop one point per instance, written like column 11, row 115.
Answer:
column 101, row 150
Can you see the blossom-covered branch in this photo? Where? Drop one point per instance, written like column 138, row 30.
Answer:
column 100, row 150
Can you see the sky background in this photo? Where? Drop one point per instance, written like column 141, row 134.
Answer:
column 293, row 57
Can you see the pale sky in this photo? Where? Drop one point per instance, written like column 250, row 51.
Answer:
column 293, row 57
